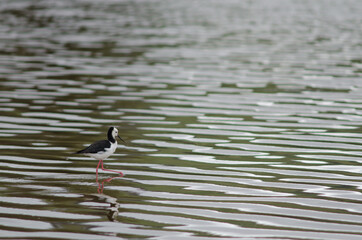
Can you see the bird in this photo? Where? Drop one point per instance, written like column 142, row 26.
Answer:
column 102, row 149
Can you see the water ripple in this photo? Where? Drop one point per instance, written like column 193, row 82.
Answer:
column 241, row 125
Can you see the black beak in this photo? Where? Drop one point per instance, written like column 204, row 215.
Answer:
column 121, row 139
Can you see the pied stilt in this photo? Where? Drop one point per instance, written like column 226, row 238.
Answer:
column 102, row 149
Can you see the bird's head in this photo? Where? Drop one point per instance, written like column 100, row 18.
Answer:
column 114, row 133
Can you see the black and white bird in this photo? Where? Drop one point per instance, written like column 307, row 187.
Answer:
column 102, row 149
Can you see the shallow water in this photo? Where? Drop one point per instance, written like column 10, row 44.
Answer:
column 242, row 119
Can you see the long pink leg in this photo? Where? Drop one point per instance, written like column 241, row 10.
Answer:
column 97, row 168
column 100, row 187
column 120, row 173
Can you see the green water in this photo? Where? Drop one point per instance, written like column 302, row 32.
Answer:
column 242, row 119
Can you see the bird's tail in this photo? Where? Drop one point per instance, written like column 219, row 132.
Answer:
column 78, row 152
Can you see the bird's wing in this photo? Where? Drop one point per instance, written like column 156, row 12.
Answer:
column 96, row 147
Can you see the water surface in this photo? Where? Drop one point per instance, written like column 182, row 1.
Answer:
column 242, row 119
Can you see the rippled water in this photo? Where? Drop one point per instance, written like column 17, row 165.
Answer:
column 242, row 119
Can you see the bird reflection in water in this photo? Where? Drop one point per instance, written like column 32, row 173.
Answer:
column 114, row 205
column 107, row 180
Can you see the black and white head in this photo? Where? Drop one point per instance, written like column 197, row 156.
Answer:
column 112, row 134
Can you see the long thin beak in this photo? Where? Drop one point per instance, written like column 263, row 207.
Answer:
column 121, row 139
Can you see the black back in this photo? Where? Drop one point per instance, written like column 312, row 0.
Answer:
column 98, row 146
